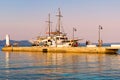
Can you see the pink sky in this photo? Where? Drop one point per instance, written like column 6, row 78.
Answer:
column 24, row 20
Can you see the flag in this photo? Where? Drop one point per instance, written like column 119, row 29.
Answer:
column 100, row 27
column 74, row 29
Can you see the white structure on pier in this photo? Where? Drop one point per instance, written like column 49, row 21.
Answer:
column 7, row 40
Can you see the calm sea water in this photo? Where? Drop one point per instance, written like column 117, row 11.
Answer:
column 59, row 66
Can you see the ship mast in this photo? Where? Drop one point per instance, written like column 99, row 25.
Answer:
column 59, row 20
column 49, row 24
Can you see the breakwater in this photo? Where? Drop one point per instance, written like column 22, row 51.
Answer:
column 63, row 49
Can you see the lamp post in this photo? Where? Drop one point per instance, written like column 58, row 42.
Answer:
column 99, row 36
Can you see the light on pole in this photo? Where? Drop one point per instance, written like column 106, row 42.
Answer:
column 99, row 34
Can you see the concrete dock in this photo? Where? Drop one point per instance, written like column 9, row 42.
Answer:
column 63, row 49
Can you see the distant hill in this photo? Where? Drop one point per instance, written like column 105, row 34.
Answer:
column 20, row 43
column 27, row 43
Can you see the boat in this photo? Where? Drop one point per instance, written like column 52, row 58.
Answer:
column 56, row 38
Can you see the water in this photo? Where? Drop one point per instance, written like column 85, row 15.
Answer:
column 59, row 66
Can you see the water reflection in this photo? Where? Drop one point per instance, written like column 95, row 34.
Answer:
column 45, row 59
column 59, row 65
column 7, row 56
column 7, row 59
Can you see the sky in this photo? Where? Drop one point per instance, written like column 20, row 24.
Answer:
column 26, row 19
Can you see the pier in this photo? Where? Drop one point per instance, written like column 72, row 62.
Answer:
column 64, row 49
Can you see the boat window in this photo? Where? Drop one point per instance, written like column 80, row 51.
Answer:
column 49, row 40
column 66, row 38
column 62, row 38
column 57, row 38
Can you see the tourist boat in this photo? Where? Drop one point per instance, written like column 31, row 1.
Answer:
column 55, row 39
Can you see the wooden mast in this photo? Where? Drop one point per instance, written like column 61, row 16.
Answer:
column 59, row 20
column 49, row 27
